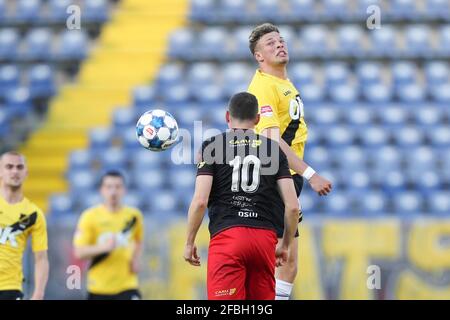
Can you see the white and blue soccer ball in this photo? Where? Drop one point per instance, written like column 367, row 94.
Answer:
column 157, row 130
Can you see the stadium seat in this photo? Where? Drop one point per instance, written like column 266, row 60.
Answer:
column 133, row 199
column 350, row 158
column 182, row 179
column 357, row 179
column 393, row 116
column 73, row 45
column 393, row 181
column 359, row 116
column 144, row 96
column 38, row 45
column 100, row 138
column 301, row 10
column 177, row 94
column 9, row 44
column 417, row 38
column 437, row 9
column 373, row 203
column 411, row 94
column 233, row 11
column 81, row 180
column 383, row 42
column 403, row 9
column 364, row 5
column 350, row 40
column 239, row 46
column 170, row 74
column 210, row 94
column 124, row 118
column 312, row 94
column 88, row 200
column 318, row 157
column 80, row 160
column 385, row 158
column 324, row 116
column 336, row 73
column 302, row 73
column 61, row 204
column 437, row 73
column 4, row 122
column 162, row 201
column 404, row 73
column 439, row 203
column 268, row 10
column 57, row 10
column 428, row 115
column 332, row 9
column 19, row 100
column 408, row 202
column 369, row 73
column 236, row 77
column 9, row 78
column 408, row 136
column 314, row 41
column 373, row 136
column 344, row 94
column 41, row 81
column 181, row 44
column 444, row 40
column 145, row 160
column 337, row 204
column 95, row 11
column 27, row 11
column 440, row 136
column 201, row 74
column 377, row 93
column 202, row 10
column 441, row 93
column 127, row 136
column 426, row 182
column 113, row 159
column 148, row 180
column 209, row 41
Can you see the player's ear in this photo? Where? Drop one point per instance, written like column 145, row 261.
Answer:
column 259, row 57
column 227, row 116
column 257, row 119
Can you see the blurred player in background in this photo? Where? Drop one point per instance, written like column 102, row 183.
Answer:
column 19, row 219
column 281, row 111
column 239, row 194
column 110, row 235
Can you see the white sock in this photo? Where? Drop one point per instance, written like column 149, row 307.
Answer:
column 283, row 289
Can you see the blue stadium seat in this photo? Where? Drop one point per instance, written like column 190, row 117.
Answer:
column 268, row 10
column 148, row 180
column 312, row 94
column 337, row 203
column 350, row 157
column 144, row 160
column 439, row 203
column 113, row 159
column 359, row 116
column 377, row 93
column 177, row 94
column 210, row 93
column 41, row 81
column 124, row 118
column 3, row 9
column 128, row 138
column 408, row 136
column 162, row 201
column 324, row 115
column 335, row 9
column 340, row 135
column 95, row 11
column 411, row 93
column 393, row 181
column 369, row 73
column 424, row 158
column 9, row 78
column 187, row 114
column 314, row 41
column 38, row 43
column 80, row 160
column 440, row 136
column 240, row 49
column 437, row 73
column 417, row 39
column 61, row 204
column 144, row 96
column 357, row 179
column 350, row 40
column 364, row 5
column 4, row 122
column 81, row 181
column 100, row 138
column 344, row 94
column 88, row 200
column 393, row 116
column 236, row 77
column 408, row 202
column 170, row 74
column 373, row 136
column 27, row 11
column 441, row 93
column 57, row 10
column 182, row 179
column 9, row 44
column 444, row 40
column 336, row 73
column 404, row 73
column 318, row 157
column 217, row 116
column 209, row 40
column 133, row 199
column 437, row 9
column 302, row 10
column 383, row 42
column 19, row 100
column 385, row 158
column 201, row 74
column 428, row 115
column 181, row 44
column 308, row 202
column 73, row 45
column 373, row 203
column 233, row 11
column 403, row 9
column 202, row 10
column 302, row 73
column 426, row 182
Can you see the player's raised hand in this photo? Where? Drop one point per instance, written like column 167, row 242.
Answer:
column 191, row 256
column 281, row 255
column 320, row 185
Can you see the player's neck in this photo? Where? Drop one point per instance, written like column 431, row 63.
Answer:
column 11, row 194
column 278, row 71
column 112, row 207
column 244, row 125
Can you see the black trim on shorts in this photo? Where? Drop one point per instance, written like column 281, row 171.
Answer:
column 11, row 295
column 298, row 183
column 132, row 294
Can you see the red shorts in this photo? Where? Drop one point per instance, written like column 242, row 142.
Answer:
column 241, row 264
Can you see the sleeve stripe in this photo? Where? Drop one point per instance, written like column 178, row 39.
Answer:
column 205, row 174
column 284, row 177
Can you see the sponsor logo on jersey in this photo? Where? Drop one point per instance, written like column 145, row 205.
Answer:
column 266, row 111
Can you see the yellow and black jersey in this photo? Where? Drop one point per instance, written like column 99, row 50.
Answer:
column 111, row 273
column 17, row 222
column 280, row 106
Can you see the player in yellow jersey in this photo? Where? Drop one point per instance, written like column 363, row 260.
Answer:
column 19, row 219
column 110, row 235
column 282, row 116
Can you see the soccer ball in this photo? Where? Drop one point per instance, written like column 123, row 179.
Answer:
column 157, row 130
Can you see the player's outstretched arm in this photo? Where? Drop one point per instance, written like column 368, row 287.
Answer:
column 41, row 268
column 318, row 183
column 196, row 212
column 89, row 252
column 291, row 215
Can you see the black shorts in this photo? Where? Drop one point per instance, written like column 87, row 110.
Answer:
column 279, row 224
column 133, row 294
column 11, row 295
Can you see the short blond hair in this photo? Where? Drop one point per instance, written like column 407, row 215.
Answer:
column 257, row 34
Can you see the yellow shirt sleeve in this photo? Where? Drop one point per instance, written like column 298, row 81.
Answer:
column 267, row 106
column 139, row 230
column 84, row 235
column 39, row 241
